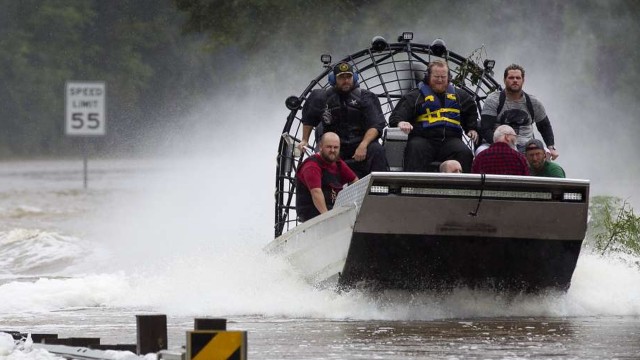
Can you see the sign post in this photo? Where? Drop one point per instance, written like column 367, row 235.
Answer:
column 85, row 105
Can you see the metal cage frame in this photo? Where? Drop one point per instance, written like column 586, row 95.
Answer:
column 387, row 69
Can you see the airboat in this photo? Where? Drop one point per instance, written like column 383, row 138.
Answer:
column 427, row 231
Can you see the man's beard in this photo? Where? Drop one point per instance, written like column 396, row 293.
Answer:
column 327, row 158
column 510, row 89
column 345, row 89
column 538, row 166
column 439, row 89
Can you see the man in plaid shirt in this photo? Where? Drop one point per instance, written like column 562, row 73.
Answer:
column 501, row 157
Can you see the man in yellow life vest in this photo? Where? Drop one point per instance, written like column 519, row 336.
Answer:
column 435, row 115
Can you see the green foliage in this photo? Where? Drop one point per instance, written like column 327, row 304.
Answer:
column 135, row 46
column 613, row 226
column 257, row 24
column 33, row 67
column 160, row 57
column 471, row 68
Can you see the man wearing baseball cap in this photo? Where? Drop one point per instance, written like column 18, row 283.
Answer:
column 537, row 159
column 354, row 114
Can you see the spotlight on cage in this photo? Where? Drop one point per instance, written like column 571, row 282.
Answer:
column 438, row 47
column 378, row 43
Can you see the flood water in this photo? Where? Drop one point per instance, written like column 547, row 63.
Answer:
column 176, row 238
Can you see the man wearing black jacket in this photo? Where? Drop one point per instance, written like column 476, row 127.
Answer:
column 435, row 116
column 515, row 108
column 354, row 114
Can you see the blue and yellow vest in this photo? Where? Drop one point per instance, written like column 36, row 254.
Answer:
column 433, row 114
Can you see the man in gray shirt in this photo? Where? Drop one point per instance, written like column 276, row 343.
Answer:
column 515, row 108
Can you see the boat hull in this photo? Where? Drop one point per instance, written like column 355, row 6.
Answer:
column 432, row 231
column 427, row 262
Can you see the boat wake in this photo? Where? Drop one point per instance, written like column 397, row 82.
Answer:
column 244, row 281
column 37, row 252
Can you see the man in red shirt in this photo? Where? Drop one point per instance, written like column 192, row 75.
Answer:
column 501, row 157
column 320, row 179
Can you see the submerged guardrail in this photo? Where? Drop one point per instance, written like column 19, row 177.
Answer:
column 209, row 340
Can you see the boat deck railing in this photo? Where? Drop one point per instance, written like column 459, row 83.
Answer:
column 474, row 185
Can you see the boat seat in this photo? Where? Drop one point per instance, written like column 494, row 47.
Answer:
column 394, row 142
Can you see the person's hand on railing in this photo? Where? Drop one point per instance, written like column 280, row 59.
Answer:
column 302, row 144
column 405, row 127
column 473, row 135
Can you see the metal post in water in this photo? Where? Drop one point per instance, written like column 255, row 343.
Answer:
column 85, row 161
column 152, row 333
column 85, row 171
column 43, row 338
column 210, row 324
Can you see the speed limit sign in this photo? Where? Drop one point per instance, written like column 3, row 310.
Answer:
column 85, row 108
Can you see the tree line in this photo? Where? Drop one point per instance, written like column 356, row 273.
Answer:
column 161, row 57
column 151, row 69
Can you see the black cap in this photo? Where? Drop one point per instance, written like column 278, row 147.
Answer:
column 342, row 68
column 534, row 144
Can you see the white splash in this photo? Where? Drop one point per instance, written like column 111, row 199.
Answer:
column 33, row 251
